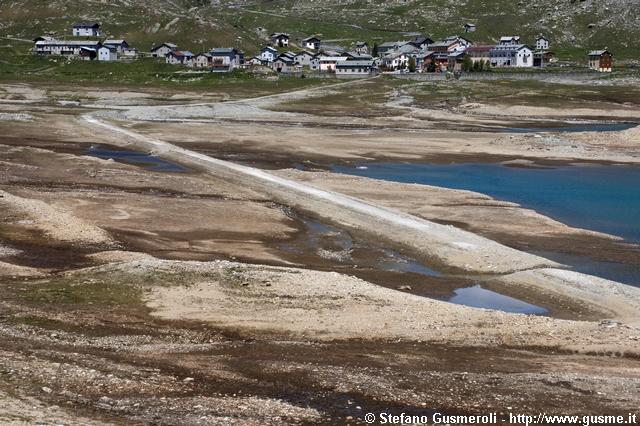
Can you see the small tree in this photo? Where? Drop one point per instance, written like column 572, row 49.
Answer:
column 432, row 66
column 412, row 64
column 487, row 65
column 374, row 51
column 467, row 63
column 476, row 66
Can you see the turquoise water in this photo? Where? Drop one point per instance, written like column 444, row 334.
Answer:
column 603, row 198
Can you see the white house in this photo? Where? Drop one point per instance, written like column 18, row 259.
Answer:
column 355, row 69
column 280, row 39
column 86, row 29
column 202, row 60
column 65, row 47
column 395, row 60
column 119, row 45
column 178, row 57
column 268, row 54
column 312, row 43
column 304, row 58
column 107, row 53
column 328, row 63
column 519, row 55
column 509, row 40
column 542, row 43
column 163, row 50
column 362, row 47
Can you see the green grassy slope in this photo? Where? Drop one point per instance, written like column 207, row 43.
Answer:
column 574, row 26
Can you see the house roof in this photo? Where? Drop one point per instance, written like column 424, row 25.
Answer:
column 509, row 38
column 442, row 44
column 541, row 37
column 111, row 48
column 515, row 47
column 359, row 56
column 350, row 64
column 110, row 41
column 480, row 48
column 468, row 24
column 392, row 44
column 598, row 52
column 86, row 25
column 181, row 54
column 276, row 35
column 361, row 43
column 269, row 48
column 169, row 45
column 80, row 43
column 310, row 39
column 223, row 51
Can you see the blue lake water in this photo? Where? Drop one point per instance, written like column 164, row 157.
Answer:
column 574, row 127
column 135, row 158
column 603, row 198
column 479, row 297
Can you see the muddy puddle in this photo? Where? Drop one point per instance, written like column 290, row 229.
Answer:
column 141, row 159
column 381, row 266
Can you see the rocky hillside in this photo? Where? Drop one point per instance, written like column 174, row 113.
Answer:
column 574, row 26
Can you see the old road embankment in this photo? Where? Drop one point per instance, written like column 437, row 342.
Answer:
column 451, row 248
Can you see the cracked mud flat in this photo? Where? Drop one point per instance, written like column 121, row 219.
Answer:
column 177, row 303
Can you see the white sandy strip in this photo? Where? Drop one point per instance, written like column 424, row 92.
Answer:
column 455, row 247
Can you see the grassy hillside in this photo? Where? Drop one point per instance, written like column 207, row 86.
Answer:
column 574, row 26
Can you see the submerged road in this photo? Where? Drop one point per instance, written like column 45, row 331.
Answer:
column 450, row 246
column 445, row 245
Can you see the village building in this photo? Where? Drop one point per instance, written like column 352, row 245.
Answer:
column 395, row 60
column 519, row 55
column 328, row 63
column 286, row 64
column 163, row 50
column 542, row 43
column 107, row 53
column 541, row 58
column 179, row 57
column 362, row 47
column 479, row 53
column 440, row 60
column 509, row 41
column 389, row 46
column 312, row 43
column 202, row 60
column 462, row 42
column 421, row 42
column 355, row 56
column 280, row 39
column 601, row 60
column 86, row 29
column 445, row 46
column 120, row 45
column 70, row 48
column 268, row 54
column 225, row 59
column 469, row 27
column 455, row 61
column 88, row 53
column 304, row 58
column 355, row 69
